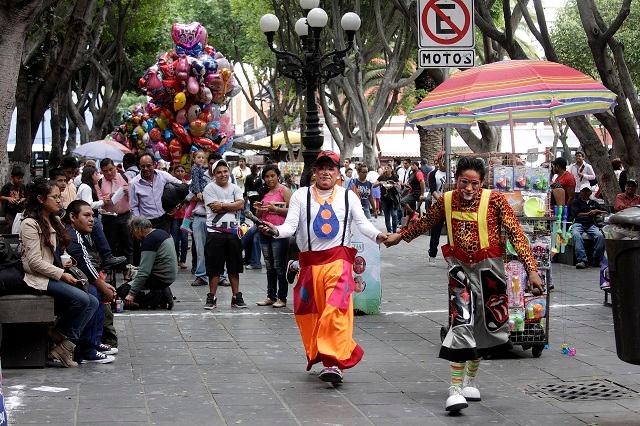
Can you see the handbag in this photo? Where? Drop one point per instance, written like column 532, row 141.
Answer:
column 83, row 281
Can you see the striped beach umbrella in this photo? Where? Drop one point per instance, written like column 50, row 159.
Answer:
column 510, row 92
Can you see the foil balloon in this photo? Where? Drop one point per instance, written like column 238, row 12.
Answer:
column 197, row 127
column 205, row 95
column 179, row 101
column 181, row 117
column 183, row 68
column 175, row 149
column 205, row 144
column 163, row 150
column 181, row 134
column 193, row 86
column 189, row 39
column 193, row 112
column 155, row 134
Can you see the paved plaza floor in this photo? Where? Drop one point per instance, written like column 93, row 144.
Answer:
column 193, row 367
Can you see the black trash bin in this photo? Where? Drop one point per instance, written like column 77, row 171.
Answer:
column 624, row 272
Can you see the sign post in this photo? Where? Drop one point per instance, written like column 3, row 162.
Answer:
column 446, row 34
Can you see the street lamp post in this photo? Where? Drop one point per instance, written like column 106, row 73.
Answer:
column 312, row 69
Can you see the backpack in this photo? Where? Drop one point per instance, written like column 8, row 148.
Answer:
column 9, row 257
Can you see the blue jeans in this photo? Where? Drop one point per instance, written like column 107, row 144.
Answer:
column 74, row 308
column 91, row 336
column 275, row 252
column 594, row 232
column 180, row 239
column 199, row 228
column 366, row 207
column 390, row 215
column 252, row 237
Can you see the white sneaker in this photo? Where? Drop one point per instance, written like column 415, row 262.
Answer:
column 456, row 400
column 469, row 390
column 432, row 260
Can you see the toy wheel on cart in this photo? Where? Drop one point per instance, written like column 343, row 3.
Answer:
column 443, row 333
column 536, row 350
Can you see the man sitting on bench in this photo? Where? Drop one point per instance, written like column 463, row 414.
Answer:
column 584, row 211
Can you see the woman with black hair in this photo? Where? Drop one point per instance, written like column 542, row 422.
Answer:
column 43, row 238
column 273, row 208
column 478, row 308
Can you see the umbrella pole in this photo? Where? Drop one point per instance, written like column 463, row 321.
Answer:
column 513, row 143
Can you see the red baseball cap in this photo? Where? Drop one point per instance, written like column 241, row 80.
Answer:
column 330, row 155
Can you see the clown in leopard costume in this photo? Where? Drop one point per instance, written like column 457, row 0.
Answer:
column 477, row 280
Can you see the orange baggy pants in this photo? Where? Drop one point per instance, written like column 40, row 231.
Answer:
column 323, row 307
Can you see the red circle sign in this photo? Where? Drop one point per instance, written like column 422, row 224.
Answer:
column 460, row 32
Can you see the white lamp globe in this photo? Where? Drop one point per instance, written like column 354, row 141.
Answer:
column 317, row 18
column 309, row 4
column 269, row 23
column 350, row 22
column 301, row 27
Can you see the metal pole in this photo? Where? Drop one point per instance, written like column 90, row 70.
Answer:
column 447, row 140
column 44, row 164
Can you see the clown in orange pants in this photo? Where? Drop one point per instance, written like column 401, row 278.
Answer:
column 321, row 217
column 323, row 307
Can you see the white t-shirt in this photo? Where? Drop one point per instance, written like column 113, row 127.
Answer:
column 230, row 193
column 587, row 172
column 343, row 171
column 297, row 219
column 403, row 175
column 240, row 175
column 441, row 177
column 84, row 193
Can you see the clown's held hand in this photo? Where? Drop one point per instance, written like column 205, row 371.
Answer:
column 268, row 228
column 392, row 239
column 382, row 237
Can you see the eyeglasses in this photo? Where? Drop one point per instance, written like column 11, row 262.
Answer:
column 57, row 198
column 466, row 182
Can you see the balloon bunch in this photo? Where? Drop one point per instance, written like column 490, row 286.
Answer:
column 187, row 87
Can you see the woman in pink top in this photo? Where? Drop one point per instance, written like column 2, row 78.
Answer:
column 273, row 208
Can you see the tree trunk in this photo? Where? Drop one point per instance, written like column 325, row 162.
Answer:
column 58, row 129
column 72, row 141
column 14, row 24
column 22, row 150
column 431, row 141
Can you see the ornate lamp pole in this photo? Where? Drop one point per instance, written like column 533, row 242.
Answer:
column 312, row 69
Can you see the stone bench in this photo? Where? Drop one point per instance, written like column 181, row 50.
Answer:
column 24, row 319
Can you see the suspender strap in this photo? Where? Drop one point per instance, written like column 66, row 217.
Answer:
column 483, row 209
column 309, row 217
column 447, row 212
column 346, row 215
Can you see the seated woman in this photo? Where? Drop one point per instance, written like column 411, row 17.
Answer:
column 158, row 263
column 42, row 236
column 79, row 221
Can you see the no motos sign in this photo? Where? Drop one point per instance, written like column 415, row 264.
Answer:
column 446, row 33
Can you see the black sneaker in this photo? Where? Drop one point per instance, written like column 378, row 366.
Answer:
column 212, row 302
column 111, row 262
column 581, row 265
column 238, row 302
